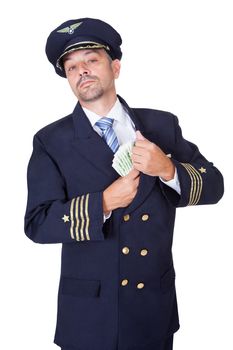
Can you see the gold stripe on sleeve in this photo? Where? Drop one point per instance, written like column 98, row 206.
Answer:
column 82, row 218
column 200, row 191
column 87, row 217
column 192, row 182
column 72, row 218
column 199, row 185
column 77, row 219
column 196, row 184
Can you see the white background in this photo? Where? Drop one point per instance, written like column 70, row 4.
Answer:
column 177, row 56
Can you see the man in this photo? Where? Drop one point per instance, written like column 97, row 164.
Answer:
column 117, row 286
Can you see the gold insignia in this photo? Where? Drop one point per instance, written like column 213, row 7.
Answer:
column 70, row 29
column 77, row 219
column 202, row 170
column 66, row 218
column 72, row 218
column 79, row 214
column 196, row 184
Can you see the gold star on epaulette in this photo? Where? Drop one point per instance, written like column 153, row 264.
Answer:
column 66, row 218
column 202, row 170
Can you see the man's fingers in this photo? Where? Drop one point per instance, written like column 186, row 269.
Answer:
column 138, row 166
column 139, row 136
column 137, row 160
column 133, row 174
column 138, row 151
column 141, row 143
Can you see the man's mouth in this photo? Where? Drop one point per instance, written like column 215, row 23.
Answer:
column 85, row 83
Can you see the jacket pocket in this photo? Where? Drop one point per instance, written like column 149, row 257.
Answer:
column 80, row 287
column 167, row 280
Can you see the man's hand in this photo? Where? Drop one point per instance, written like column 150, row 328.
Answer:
column 121, row 192
column 151, row 160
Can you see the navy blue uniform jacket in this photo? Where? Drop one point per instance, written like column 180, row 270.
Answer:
column 117, row 285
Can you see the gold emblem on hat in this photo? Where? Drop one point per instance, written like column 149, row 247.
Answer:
column 70, row 29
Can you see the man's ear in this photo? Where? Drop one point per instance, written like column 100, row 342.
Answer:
column 116, row 67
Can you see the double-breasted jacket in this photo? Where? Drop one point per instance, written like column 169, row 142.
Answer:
column 117, row 284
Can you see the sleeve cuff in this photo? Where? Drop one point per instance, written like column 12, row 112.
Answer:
column 173, row 183
column 107, row 216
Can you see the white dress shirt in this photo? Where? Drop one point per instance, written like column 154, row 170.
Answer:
column 122, row 125
column 125, row 132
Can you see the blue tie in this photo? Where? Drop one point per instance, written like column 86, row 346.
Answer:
column 108, row 134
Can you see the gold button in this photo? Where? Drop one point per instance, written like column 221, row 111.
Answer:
column 126, row 217
column 125, row 250
column 144, row 252
column 124, row 282
column 140, row 285
column 145, row 217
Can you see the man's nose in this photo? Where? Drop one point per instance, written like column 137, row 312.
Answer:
column 83, row 69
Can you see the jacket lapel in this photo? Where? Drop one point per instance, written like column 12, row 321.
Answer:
column 146, row 182
column 90, row 145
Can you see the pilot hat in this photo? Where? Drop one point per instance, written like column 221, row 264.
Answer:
column 78, row 34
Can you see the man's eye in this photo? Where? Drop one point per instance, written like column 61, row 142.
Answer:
column 69, row 69
column 92, row 60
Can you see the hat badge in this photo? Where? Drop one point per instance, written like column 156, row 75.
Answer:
column 70, row 29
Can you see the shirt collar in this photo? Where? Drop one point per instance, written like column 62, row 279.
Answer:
column 117, row 113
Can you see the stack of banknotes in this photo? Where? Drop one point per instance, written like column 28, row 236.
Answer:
column 122, row 161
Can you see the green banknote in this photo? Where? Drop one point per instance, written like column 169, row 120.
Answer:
column 122, row 161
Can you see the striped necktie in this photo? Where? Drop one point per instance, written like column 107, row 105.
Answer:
column 108, row 134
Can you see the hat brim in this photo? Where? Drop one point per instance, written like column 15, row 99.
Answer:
column 80, row 46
